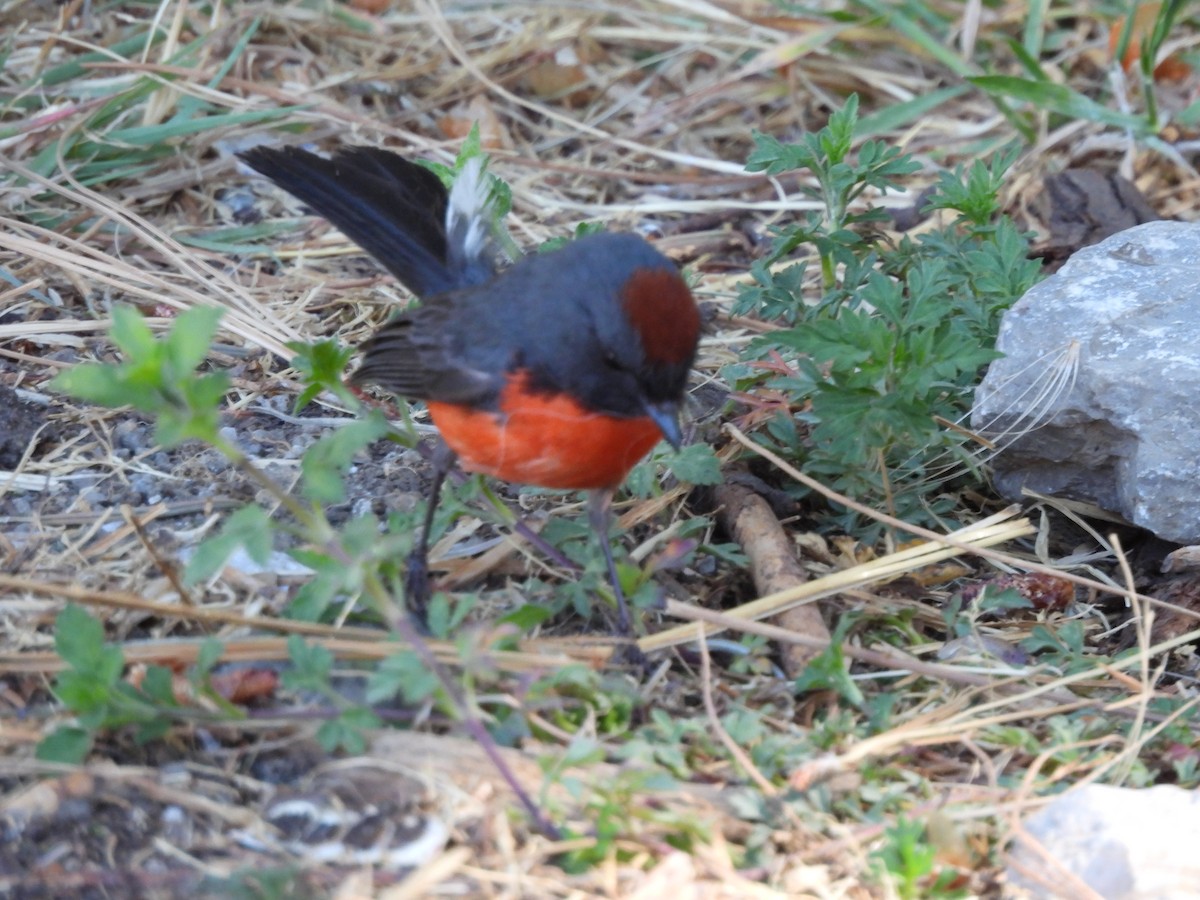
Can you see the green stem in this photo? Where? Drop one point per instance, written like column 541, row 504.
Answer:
column 463, row 711
column 316, row 526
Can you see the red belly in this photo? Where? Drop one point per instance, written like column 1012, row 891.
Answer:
column 545, row 440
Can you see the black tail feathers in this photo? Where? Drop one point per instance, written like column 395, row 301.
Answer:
column 392, row 208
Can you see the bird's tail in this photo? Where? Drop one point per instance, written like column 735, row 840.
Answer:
column 397, row 211
column 470, row 222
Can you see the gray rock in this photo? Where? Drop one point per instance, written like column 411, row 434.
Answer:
column 1123, row 844
column 1095, row 398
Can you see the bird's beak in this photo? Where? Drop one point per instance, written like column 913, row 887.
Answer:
column 666, row 417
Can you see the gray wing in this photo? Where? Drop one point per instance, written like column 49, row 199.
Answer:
column 422, row 356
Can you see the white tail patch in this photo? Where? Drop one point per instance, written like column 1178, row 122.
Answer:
column 469, row 213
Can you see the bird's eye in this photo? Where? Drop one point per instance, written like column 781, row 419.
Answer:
column 610, row 360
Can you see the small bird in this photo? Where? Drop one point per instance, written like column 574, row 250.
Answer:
column 562, row 370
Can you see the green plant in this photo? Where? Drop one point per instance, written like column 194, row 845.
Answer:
column 617, row 809
column 1061, row 647
column 907, row 860
column 94, row 687
column 352, row 563
column 877, row 365
column 160, row 378
column 116, row 140
column 1044, row 93
column 311, row 671
column 827, row 671
column 840, row 179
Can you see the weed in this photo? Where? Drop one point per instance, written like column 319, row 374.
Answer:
column 615, row 810
column 828, row 671
column 889, row 351
column 94, row 688
column 311, row 673
column 1044, row 94
column 841, row 180
column 908, row 860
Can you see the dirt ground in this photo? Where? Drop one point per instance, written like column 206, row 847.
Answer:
column 118, row 128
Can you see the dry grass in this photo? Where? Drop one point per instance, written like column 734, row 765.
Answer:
column 120, row 185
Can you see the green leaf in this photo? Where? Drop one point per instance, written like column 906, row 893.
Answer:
column 828, row 670
column 93, row 383
column 345, row 732
column 402, row 674
column 158, row 686
column 68, row 744
column 1060, row 99
column 837, row 137
column 1004, row 600
column 170, row 131
column 527, row 617
column 1168, row 12
column 95, row 666
column 311, row 666
column 445, row 613
column 326, row 461
column 312, row 599
column 696, row 464
column 78, row 67
column 360, row 718
column 83, row 693
column 772, row 156
column 204, row 392
column 209, row 654
column 158, row 377
column 248, row 528
column 190, row 337
column 438, row 615
column 907, row 855
column 131, row 333
column 1028, row 60
column 360, row 537
column 321, row 365
column 582, row 751
column 334, row 578
column 894, row 116
column 472, row 146
column 79, row 639
column 191, row 412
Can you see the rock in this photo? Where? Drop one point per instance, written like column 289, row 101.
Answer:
column 1095, row 397
column 1122, row 843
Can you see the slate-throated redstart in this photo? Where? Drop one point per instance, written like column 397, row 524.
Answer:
column 562, row 370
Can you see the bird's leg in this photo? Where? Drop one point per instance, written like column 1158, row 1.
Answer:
column 416, row 576
column 599, row 506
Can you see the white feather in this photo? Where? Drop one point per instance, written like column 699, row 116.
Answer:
column 469, row 213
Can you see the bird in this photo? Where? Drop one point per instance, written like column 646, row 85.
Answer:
column 561, row 370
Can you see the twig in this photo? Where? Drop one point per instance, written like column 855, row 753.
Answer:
column 714, row 721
